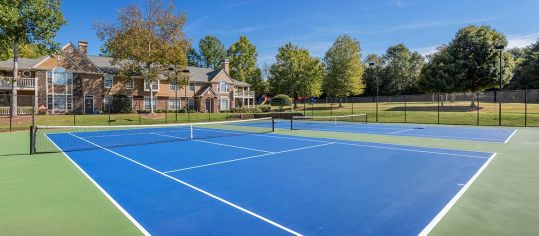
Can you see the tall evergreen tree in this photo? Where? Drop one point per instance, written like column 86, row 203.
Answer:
column 212, row 51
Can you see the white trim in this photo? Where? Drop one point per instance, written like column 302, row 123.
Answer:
column 510, row 136
column 116, row 204
column 455, row 198
column 222, row 200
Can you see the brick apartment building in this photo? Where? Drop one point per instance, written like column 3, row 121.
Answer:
column 71, row 80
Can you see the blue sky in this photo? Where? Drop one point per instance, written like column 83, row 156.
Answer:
column 420, row 24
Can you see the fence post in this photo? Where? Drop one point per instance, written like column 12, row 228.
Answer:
column 33, row 110
column 525, row 107
column 352, row 110
column 74, row 111
column 438, row 107
column 405, row 109
column 139, row 111
column 478, row 107
column 110, row 107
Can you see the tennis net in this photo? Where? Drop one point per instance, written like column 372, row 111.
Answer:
column 44, row 139
column 321, row 122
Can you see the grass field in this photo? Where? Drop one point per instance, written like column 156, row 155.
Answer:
column 454, row 113
column 45, row 194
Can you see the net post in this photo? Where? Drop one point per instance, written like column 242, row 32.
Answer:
column 272, row 125
column 32, row 140
column 291, row 121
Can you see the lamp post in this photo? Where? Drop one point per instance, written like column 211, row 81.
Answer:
column 500, row 49
column 298, row 76
column 371, row 64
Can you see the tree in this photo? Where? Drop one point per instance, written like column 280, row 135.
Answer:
column 402, row 69
column 344, row 68
column 437, row 74
column 527, row 71
column 28, row 22
column 296, row 73
column 373, row 75
column 25, row 51
column 242, row 56
column 146, row 44
column 212, row 51
column 194, row 58
column 475, row 59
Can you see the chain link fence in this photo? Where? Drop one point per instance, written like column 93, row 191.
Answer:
column 518, row 108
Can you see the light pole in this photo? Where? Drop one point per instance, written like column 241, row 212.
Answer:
column 298, row 76
column 371, row 64
column 500, row 49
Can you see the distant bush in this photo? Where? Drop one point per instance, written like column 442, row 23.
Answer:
column 121, row 104
column 264, row 108
column 281, row 100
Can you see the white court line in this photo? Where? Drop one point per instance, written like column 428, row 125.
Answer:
column 402, row 131
column 195, row 188
column 246, row 158
column 220, row 144
column 510, row 136
column 455, row 198
column 116, row 204
column 382, row 147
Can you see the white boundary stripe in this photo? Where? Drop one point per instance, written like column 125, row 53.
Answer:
column 455, row 198
column 382, row 147
column 510, row 136
column 402, row 131
column 195, row 188
column 246, row 158
column 116, row 204
column 214, row 143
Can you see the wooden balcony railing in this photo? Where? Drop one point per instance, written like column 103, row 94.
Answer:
column 21, row 83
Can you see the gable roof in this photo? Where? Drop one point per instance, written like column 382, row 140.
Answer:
column 24, row 63
column 201, row 93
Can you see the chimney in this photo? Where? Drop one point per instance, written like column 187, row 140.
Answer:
column 83, row 47
column 226, row 66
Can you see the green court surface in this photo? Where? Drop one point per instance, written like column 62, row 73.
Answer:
column 47, row 195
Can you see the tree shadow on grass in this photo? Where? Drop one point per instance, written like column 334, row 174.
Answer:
column 434, row 108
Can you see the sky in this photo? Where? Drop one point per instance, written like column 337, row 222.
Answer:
column 421, row 25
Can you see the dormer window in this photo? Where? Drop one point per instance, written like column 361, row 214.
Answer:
column 223, row 87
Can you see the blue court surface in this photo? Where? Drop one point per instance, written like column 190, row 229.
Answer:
column 268, row 184
column 484, row 134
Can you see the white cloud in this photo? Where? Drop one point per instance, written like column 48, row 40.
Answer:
column 251, row 28
column 195, row 24
column 238, row 4
column 522, row 40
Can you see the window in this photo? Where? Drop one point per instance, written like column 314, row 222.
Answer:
column 173, row 86
column 223, row 87
column 49, row 77
column 191, row 104
column 147, row 103
column 49, row 102
column 224, row 104
column 174, row 103
column 107, row 102
column 69, row 102
column 191, row 87
column 155, row 85
column 108, row 81
column 59, row 76
column 60, row 102
column 129, row 84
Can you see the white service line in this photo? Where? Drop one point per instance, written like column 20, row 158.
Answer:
column 214, row 143
column 455, row 198
column 245, row 158
column 107, row 195
column 381, row 147
column 510, row 136
column 195, row 188
column 402, row 131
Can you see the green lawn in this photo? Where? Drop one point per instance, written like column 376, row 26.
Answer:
column 45, row 194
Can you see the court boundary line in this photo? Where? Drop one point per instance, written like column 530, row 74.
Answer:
column 214, row 143
column 382, row 147
column 204, row 192
column 104, row 192
column 246, row 158
column 510, row 136
column 432, row 224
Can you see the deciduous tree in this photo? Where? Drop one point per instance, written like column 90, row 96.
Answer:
column 28, row 22
column 344, row 68
column 527, row 72
column 146, row 43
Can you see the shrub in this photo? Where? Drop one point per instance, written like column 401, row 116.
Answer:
column 243, row 110
column 264, row 108
column 281, row 100
column 121, row 104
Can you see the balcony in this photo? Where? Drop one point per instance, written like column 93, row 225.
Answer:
column 244, row 94
column 22, row 83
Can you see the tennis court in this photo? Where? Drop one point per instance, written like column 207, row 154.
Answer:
column 357, row 124
column 240, row 178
